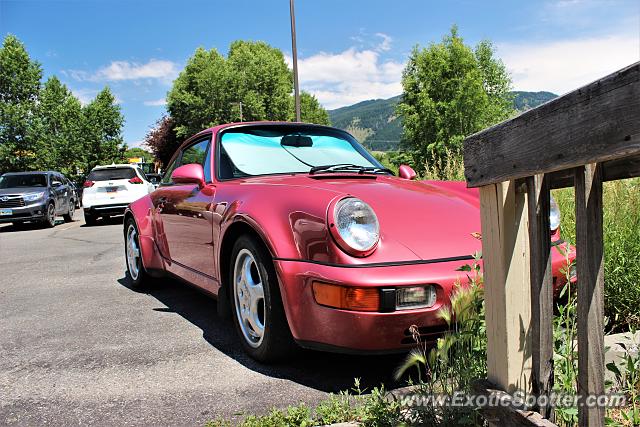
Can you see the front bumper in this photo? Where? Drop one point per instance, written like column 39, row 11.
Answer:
column 320, row 327
column 32, row 212
column 101, row 210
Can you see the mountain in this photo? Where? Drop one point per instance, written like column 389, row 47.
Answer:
column 375, row 124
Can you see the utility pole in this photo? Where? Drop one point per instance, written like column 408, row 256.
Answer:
column 240, row 105
column 295, row 60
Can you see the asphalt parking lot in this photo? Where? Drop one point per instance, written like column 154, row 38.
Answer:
column 78, row 346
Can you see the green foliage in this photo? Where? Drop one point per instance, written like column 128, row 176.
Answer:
column 209, row 89
column 460, row 355
column 138, row 152
column 19, row 88
column 45, row 126
column 450, row 92
column 59, row 130
column 310, row 110
column 621, row 248
column 103, row 131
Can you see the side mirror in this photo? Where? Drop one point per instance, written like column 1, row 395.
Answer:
column 189, row 174
column 406, row 172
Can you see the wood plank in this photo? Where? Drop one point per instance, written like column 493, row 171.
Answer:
column 596, row 123
column 627, row 167
column 590, row 270
column 506, row 283
column 539, row 199
column 507, row 413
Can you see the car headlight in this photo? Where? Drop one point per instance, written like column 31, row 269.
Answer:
column 355, row 226
column 32, row 197
column 554, row 215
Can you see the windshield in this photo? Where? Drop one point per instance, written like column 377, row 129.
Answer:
column 27, row 180
column 111, row 174
column 271, row 150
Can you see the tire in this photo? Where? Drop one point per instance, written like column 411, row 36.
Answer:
column 90, row 219
column 256, row 302
column 49, row 220
column 68, row 217
column 135, row 269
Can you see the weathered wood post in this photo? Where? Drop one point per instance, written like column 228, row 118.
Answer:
column 588, row 136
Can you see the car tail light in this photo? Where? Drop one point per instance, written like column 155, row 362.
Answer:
column 136, row 180
column 88, row 184
column 347, row 298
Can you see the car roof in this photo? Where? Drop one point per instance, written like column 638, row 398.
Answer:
column 31, row 173
column 114, row 166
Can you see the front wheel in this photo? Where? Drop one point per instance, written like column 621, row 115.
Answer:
column 255, row 297
column 133, row 255
column 49, row 220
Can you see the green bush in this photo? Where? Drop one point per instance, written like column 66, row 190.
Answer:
column 621, row 201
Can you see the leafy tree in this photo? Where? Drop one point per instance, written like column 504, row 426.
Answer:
column 138, row 152
column 310, row 110
column 209, row 89
column 103, row 131
column 162, row 140
column 19, row 87
column 451, row 91
column 59, row 129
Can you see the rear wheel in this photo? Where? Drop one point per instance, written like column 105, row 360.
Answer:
column 133, row 255
column 257, row 305
column 90, row 219
column 49, row 220
column 68, row 217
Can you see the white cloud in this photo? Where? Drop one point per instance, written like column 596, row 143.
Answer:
column 124, row 70
column 385, row 44
column 156, row 102
column 339, row 79
column 564, row 65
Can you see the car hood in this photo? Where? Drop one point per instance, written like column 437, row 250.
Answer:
column 21, row 190
column 432, row 219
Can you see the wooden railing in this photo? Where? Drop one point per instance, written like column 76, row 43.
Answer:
column 581, row 139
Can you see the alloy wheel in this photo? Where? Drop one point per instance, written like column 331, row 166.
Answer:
column 133, row 252
column 248, row 292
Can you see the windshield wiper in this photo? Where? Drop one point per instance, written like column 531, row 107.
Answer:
column 349, row 168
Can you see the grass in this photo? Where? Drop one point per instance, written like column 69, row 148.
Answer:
column 621, row 248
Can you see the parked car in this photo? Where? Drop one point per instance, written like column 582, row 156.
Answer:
column 108, row 190
column 36, row 197
column 306, row 239
column 154, row 178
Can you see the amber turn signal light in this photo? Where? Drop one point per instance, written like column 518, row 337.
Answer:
column 346, row 298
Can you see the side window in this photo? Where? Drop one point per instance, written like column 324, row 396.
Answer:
column 166, row 178
column 198, row 153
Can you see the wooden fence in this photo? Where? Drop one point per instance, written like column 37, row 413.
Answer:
column 581, row 139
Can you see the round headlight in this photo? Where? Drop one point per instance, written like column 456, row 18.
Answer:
column 356, row 226
column 554, row 215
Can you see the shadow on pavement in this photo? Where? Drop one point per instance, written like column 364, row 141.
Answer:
column 112, row 220
column 323, row 371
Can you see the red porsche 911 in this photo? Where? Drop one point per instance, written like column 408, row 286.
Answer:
column 306, row 239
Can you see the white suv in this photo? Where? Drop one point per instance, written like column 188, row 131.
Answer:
column 109, row 189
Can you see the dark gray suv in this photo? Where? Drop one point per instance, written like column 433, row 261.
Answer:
column 36, row 196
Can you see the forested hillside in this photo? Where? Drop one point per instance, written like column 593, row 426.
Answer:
column 376, row 124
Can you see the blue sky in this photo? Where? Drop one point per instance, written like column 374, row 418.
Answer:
column 349, row 51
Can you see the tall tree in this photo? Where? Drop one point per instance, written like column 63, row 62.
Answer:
column 59, row 127
column 103, row 131
column 451, row 91
column 310, row 110
column 19, row 87
column 210, row 88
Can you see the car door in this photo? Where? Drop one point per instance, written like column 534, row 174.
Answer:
column 185, row 212
column 59, row 190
